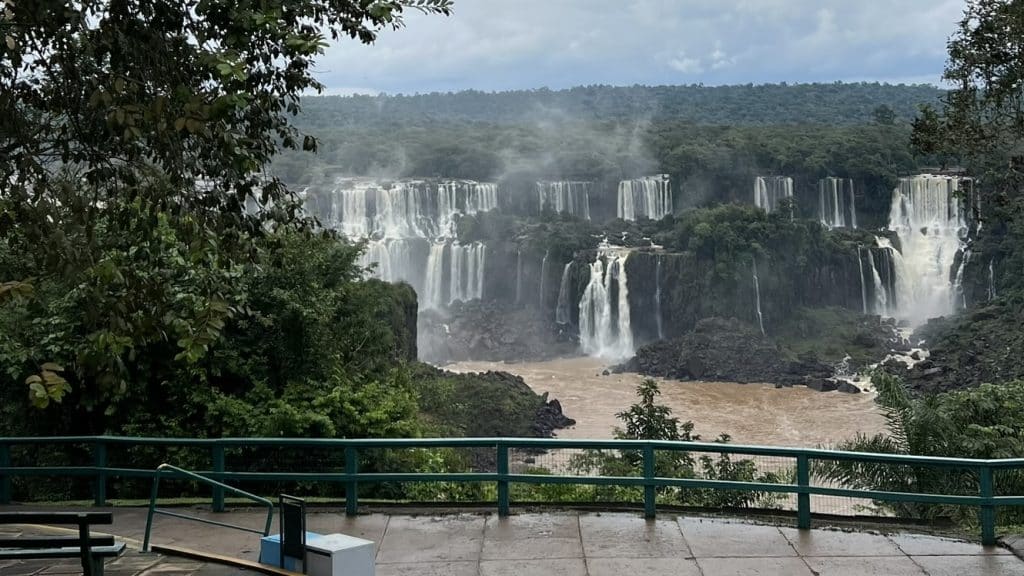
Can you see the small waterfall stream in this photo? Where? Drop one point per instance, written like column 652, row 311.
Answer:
column 991, row 280
column 757, row 292
column 863, row 288
column 881, row 297
column 519, row 275
column 657, row 298
column 543, row 277
column 562, row 315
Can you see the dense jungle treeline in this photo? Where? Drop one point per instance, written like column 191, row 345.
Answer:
column 820, row 103
column 712, row 141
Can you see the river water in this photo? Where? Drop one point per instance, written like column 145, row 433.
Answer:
column 750, row 413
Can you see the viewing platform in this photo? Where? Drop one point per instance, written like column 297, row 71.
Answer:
column 563, row 543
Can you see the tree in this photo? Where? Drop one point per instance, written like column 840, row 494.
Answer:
column 884, row 115
column 133, row 140
column 983, row 422
column 982, row 120
column 648, row 420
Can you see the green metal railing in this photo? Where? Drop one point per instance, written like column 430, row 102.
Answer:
column 351, row 478
column 180, row 472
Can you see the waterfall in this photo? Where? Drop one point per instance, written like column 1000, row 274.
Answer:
column 543, row 277
column 571, row 198
column 926, row 215
column 657, row 297
column 837, row 206
column 991, row 279
column 562, row 315
column 757, row 293
column 881, row 296
column 410, row 229
column 432, row 292
column 519, row 275
column 605, row 329
column 770, row 190
column 467, row 271
column 897, row 283
column 958, row 281
column 863, row 288
column 647, row 197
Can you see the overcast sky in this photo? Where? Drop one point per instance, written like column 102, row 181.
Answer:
column 510, row 44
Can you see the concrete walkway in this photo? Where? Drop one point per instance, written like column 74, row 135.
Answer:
column 598, row 544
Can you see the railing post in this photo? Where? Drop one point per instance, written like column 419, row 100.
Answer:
column 649, row 493
column 217, row 453
column 987, row 514
column 5, row 478
column 503, row 505
column 99, row 458
column 153, row 491
column 351, row 485
column 803, row 499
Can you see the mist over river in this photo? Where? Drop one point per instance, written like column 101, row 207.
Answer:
column 750, row 413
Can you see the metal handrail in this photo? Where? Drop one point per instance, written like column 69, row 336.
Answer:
column 200, row 478
column 351, row 477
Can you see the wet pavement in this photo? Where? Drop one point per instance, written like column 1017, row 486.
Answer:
column 570, row 543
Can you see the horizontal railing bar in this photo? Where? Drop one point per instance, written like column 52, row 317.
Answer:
column 549, row 443
column 206, row 521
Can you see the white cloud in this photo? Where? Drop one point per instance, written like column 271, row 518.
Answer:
column 686, row 65
column 502, row 44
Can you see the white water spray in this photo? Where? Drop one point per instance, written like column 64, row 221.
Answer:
column 605, row 329
column 562, row 315
column 647, row 197
column 926, row 215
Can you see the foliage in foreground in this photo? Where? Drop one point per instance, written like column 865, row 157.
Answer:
column 982, row 422
column 648, row 420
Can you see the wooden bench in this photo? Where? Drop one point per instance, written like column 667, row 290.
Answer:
column 91, row 549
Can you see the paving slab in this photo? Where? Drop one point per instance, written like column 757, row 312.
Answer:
column 915, row 545
column 432, row 539
column 642, row 567
column 560, row 567
column 839, row 543
column 429, row 569
column 971, row 565
column 864, row 566
column 710, row 538
column 754, row 566
column 631, row 536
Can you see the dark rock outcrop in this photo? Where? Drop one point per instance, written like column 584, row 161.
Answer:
column 985, row 345
column 727, row 350
column 492, row 331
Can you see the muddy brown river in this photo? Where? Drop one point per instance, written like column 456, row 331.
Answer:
column 750, row 413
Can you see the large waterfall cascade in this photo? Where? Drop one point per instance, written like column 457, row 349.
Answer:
column 410, row 229
column 837, row 205
column 647, row 197
column 927, row 215
column 770, row 190
column 567, row 197
column 605, row 329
